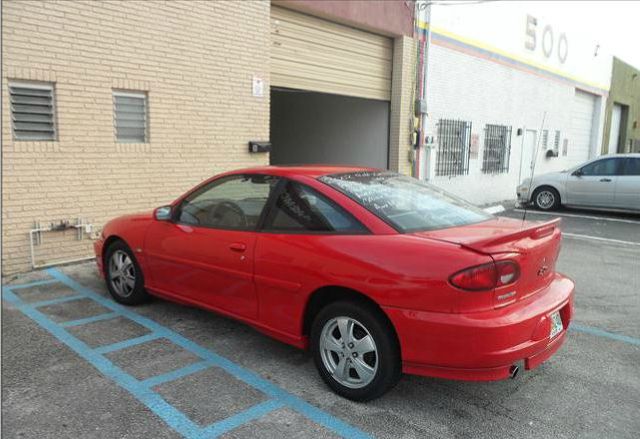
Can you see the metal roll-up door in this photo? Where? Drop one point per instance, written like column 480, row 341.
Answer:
column 313, row 54
column 584, row 106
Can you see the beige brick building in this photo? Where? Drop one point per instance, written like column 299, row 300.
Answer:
column 193, row 66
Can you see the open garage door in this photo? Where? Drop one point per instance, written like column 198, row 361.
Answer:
column 310, row 53
column 584, row 106
column 319, row 128
column 330, row 92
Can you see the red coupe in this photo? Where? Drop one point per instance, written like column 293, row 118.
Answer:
column 375, row 272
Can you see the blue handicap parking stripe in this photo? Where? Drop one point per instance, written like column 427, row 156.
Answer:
column 33, row 284
column 241, row 418
column 142, row 390
column 126, row 343
column 601, row 333
column 92, row 319
column 169, row 414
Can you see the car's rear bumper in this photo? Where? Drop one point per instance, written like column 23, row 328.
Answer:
column 483, row 346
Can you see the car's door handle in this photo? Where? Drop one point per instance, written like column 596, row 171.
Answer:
column 238, row 247
column 606, row 180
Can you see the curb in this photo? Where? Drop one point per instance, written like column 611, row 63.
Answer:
column 496, row 208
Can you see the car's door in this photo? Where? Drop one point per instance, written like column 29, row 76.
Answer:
column 302, row 236
column 628, row 186
column 205, row 254
column 594, row 184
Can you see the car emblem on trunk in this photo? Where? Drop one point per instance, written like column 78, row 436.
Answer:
column 543, row 268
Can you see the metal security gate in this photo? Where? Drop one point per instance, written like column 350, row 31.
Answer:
column 497, row 149
column 454, row 138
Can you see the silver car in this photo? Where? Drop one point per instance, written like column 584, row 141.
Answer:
column 607, row 182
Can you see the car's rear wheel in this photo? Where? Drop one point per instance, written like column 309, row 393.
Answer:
column 123, row 275
column 355, row 350
column 546, row 198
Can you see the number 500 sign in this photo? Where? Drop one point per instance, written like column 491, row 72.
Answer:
column 548, row 43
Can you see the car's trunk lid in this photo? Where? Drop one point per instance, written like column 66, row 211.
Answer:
column 533, row 245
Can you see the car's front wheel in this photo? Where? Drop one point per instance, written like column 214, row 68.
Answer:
column 123, row 275
column 355, row 350
column 546, row 198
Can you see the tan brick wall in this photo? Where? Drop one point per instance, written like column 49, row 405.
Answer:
column 194, row 59
column 402, row 96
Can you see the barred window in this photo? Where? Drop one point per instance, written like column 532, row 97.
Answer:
column 545, row 139
column 454, row 138
column 130, row 116
column 497, row 149
column 32, row 111
column 556, row 142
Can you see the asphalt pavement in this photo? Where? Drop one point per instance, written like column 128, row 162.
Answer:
column 197, row 374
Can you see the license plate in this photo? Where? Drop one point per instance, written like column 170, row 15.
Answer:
column 556, row 324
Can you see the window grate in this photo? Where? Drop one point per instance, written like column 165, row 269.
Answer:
column 497, row 149
column 454, row 138
column 130, row 117
column 32, row 111
column 556, row 141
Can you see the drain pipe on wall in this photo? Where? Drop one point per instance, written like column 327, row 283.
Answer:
column 425, row 122
column 424, row 142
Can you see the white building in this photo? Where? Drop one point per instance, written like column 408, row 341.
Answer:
column 509, row 89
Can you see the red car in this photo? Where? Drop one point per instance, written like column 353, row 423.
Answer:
column 375, row 272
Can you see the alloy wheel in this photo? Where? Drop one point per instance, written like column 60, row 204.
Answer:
column 122, row 273
column 545, row 199
column 348, row 352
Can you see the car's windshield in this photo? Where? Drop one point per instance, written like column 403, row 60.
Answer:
column 407, row 204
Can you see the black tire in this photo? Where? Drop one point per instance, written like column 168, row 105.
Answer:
column 138, row 294
column 387, row 354
column 546, row 198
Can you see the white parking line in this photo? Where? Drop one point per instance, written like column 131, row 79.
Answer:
column 619, row 220
column 597, row 238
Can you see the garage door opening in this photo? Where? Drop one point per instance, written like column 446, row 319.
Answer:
column 321, row 128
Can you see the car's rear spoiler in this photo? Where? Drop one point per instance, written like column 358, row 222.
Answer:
column 532, row 230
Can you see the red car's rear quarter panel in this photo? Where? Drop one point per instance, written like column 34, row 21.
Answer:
column 393, row 270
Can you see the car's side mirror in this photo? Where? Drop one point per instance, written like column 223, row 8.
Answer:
column 577, row 173
column 163, row 213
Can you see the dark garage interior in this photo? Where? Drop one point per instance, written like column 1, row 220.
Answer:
column 308, row 127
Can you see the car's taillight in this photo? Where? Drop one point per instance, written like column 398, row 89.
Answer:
column 508, row 272
column 486, row 276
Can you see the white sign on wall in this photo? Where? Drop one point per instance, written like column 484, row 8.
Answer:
column 258, row 87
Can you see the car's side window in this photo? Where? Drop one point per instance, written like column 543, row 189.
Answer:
column 299, row 209
column 234, row 203
column 602, row 167
column 632, row 166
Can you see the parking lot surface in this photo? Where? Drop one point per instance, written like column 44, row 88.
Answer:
column 75, row 364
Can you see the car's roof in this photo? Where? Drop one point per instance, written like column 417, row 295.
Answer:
column 306, row 170
column 622, row 155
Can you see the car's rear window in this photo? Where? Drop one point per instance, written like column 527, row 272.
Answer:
column 407, row 204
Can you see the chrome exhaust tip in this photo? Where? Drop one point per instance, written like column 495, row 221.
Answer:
column 513, row 371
